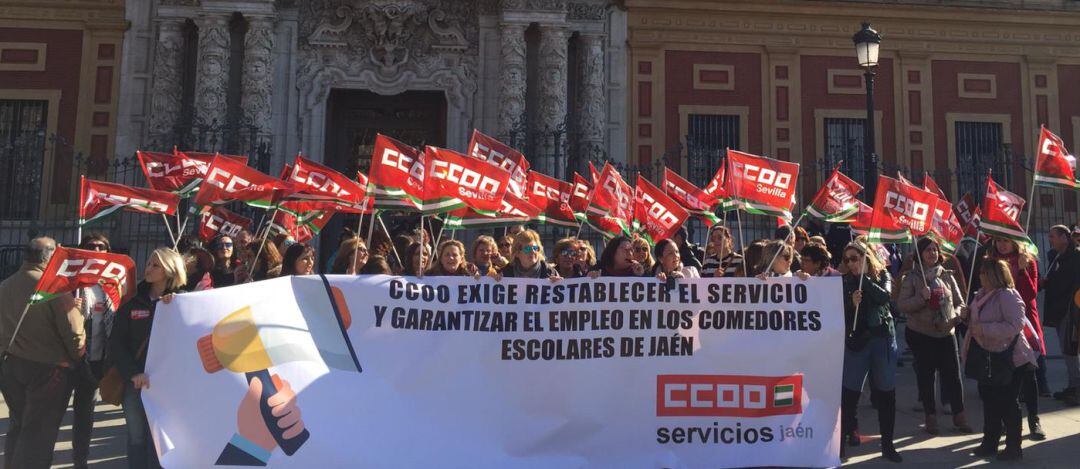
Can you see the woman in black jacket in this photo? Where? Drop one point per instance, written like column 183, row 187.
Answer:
column 528, row 258
column 870, row 346
column 164, row 275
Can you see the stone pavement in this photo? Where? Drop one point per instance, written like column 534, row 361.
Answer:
column 947, row 450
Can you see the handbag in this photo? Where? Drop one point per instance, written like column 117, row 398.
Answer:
column 990, row 368
column 111, row 386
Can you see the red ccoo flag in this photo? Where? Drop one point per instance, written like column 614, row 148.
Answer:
column 900, row 210
column 220, row 221
column 835, row 201
column 1000, row 214
column 761, row 185
column 178, row 172
column 1054, row 166
column 98, row 199
column 552, row 197
column 501, row 156
column 579, row 198
column 228, row 180
column 613, row 199
column 70, row 269
column 453, row 180
column 698, row 202
column 656, row 216
column 318, row 182
column 396, row 180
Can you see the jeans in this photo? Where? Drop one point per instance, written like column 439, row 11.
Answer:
column 1001, row 409
column 936, row 355
column 36, row 395
column 878, row 358
column 82, row 425
column 141, row 452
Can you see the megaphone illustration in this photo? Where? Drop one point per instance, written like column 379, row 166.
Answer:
column 259, row 336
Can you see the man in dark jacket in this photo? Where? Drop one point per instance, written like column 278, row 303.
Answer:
column 1060, row 312
column 41, row 345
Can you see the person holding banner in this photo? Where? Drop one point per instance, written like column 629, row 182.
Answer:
column 721, row 260
column 996, row 322
column 670, row 264
column 417, row 256
column 870, row 347
column 299, row 260
column 485, row 256
column 1024, row 270
column 41, row 343
column 164, row 276
column 450, row 261
column 568, row 252
column 931, row 299
column 528, row 260
column 222, row 248
column 98, row 318
column 351, row 257
column 617, row 260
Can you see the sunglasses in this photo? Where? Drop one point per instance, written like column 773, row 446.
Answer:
column 572, row 252
column 224, row 245
column 850, row 259
column 530, row 249
column 97, row 247
column 641, row 249
column 504, row 245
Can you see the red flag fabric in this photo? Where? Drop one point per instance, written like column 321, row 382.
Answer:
column 70, row 269
column 835, row 201
column 594, row 175
column 228, row 180
column 656, row 216
column 1000, row 214
column 220, row 221
column 514, row 211
column 967, row 211
column 900, row 210
column 501, row 156
column 579, row 198
column 863, row 219
column 318, row 182
column 698, row 202
column 931, row 186
column 454, row 180
column 178, row 172
column 1010, row 203
column 301, row 225
column 552, row 197
column 612, row 197
column 99, row 199
column 761, row 185
column 396, row 180
column 717, row 188
column 1054, row 166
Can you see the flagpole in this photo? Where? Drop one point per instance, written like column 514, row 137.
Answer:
column 169, row 229
column 18, row 325
column 862, row 275
column 183, row 226
column 371, row 228
column 393, row 246
column 423, row 244
column 438, row 238
column 738, row 219
column 1031, row 205
column 790, row 234
column 922, row 269
column 974, row 255
column 266, row 233
column 359, row 223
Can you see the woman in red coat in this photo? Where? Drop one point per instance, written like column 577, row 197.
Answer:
column 1025, row 271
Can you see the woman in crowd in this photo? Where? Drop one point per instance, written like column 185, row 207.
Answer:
column 268, row 265
column 781, row 255
column 669, row 263
column 996, row 323
column 722, row 260
column 199, row 263
column 932, row 300
column 299, row 260
column 222, row 249
column 752, row 257
column 617, row 260
column 870, row 347
column 376, row 265
column 801, row 239
column 450, row 260
column 817, row 261
column 506, row 247
column 98, row 318
column 416, row 257
column 1025, row 273
column 528, row 260
column 568, row 252
column 587, row 261
column 642, row 253
column 351, row 257
column 164, row 275
column 486, row 257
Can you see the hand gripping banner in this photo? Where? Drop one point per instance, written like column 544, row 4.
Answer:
column 357, row 371
column 70, row 269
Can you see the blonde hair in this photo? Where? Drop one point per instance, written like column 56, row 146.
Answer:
column 561, row 245
column 525, row 237
column 997, row 274
column 346, row 253
column 1023, row 257
column 436, row 265
column 173, row 264
column 873, row 263
column 771, row 249
column 482, row 240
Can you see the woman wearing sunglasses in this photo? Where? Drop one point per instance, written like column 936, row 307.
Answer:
column 222, row 249
column 98, row 318
column 643, row 254
column 528, row 260
column 567, row 259
column 870, row 347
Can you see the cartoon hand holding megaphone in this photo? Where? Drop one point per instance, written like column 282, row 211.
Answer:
column 254, row 338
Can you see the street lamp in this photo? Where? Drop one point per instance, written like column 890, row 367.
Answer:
column 867, row 44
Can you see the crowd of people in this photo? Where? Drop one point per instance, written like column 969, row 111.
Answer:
column 65, row 345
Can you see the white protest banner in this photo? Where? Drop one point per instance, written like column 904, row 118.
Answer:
column 385, row 371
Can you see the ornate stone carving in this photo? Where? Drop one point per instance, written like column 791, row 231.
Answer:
column 591, row 99
column 512, row 76
column 258, row 79
column 212, row 81
column 167, row 88
column 586, row 11
column 553, row 68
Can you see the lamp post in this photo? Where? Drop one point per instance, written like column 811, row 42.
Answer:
column 867, row 43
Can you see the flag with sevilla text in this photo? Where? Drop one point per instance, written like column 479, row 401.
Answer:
column 900, row 210
column 98, row 199
column 1000, row 215
column 1054, row 166
column 70, row 269
column 453, row 180
column 761, row 185
column 221, row 221
column 318, row 182
column 611, row 202
column 501, row 156
column 696, row 201
column 835, row 201
column 656, row 216
column 396, row 179
column 552, row 197
column 178, row 172
column 227, row 180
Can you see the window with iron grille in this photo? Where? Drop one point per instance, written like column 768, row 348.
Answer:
column 22, row 153
column 978, row 149
column 707, row 140
column 844, row 140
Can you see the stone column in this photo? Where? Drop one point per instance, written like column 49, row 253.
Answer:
column 258, row 80
column 168, row 88
column 553, row 66
column 212, row 72
column 512, row 78
column 591, row 102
